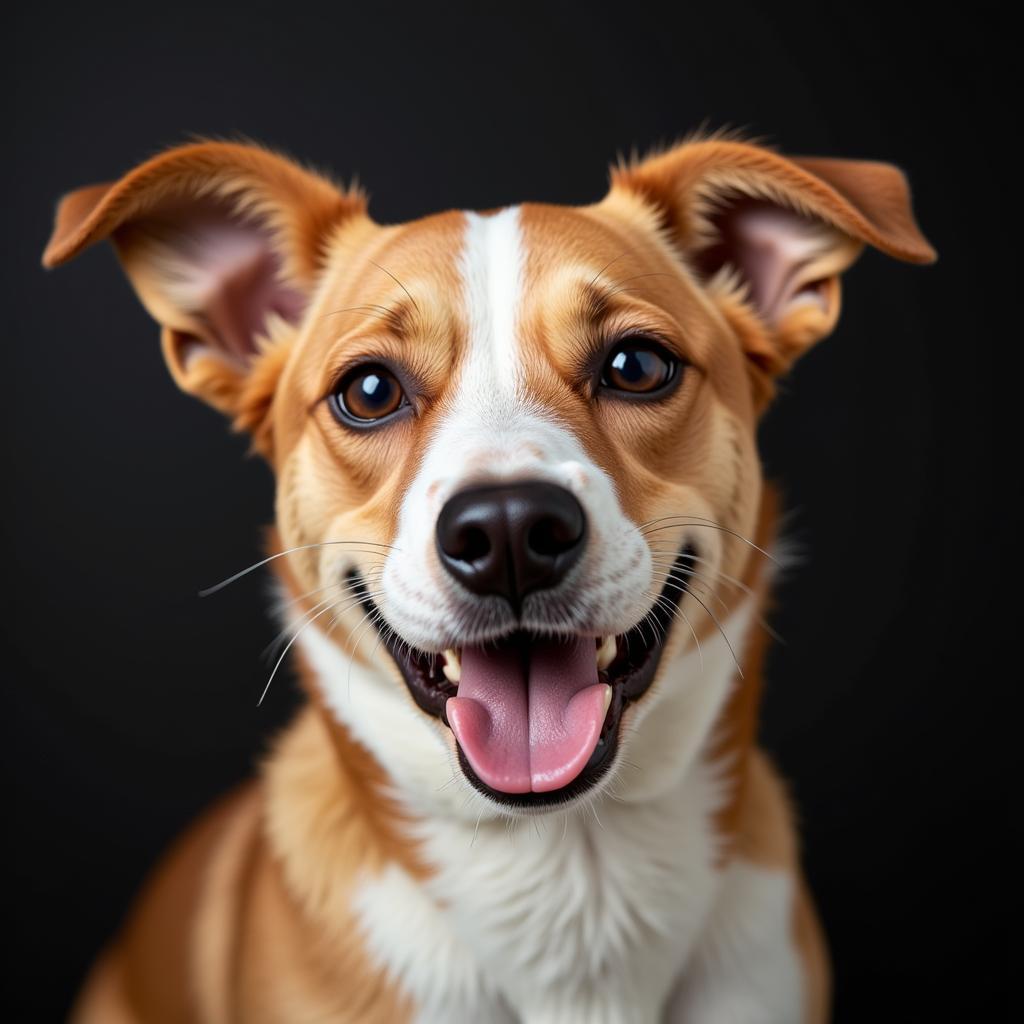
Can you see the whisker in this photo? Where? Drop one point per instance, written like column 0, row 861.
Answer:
column 291, row 602
column 372, row 309
column 690, row 520
column 656, row 631
column 309, row 620
column 718, row 625
column 749, row 591
column 415, row 304
column 391, row 632
column 621, row 285
column 277, row 640
column 713, row 526
column 674, row 611
column 444, row 785
column 640, row 625
column 298, row 547
column 593, row 280
column 284, row 653
column 663, row 577
column 687, row 582
column 372, row 575
column 733, row 581
column 352, row 603
column 372, row 617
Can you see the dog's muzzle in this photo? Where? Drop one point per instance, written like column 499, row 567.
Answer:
column 534, row 708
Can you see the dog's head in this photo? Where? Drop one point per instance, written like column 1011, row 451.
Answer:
column 515, row 450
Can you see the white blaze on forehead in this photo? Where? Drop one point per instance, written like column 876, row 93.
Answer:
column 491, row 266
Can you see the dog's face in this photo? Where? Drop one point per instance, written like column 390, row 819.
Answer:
column 515, row 451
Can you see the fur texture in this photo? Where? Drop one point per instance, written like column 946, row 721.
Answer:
column 362, row 877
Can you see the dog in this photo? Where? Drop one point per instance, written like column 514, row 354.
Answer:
column 525, row 547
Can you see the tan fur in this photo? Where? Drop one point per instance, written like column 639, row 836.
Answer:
column 765, row 836
column 250, row 916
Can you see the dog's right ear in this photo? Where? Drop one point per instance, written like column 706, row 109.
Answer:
column 221, row 241
column 771, row 235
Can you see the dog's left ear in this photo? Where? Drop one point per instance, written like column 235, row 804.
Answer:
column 770, row 235
column 223, row 243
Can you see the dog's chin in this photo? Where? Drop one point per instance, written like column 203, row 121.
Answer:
column 561, row 749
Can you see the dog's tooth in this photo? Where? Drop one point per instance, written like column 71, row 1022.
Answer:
column 607, row 698
column 606, row 652
column 452, row 666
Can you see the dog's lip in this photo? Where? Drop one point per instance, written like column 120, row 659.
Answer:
column 630, row 675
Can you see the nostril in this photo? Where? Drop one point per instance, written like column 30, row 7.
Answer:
column 471, row 544
column 552, row 536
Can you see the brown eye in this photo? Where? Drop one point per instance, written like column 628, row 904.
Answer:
column 367, row 394
column 639, row 366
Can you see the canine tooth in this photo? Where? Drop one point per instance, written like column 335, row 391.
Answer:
column 452, row 666
column 606, row 652
column 607, row 698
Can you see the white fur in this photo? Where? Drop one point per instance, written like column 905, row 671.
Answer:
column 495, row 431
column 492, row 270
column 746, row 969
column 582, row 917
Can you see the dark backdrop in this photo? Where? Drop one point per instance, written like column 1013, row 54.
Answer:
column 129, row 702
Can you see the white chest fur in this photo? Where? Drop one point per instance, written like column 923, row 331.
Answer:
column 568, row 919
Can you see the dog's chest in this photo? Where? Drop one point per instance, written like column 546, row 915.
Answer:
column 581, row 919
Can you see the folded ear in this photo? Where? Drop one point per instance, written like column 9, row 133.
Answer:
column 221, row 241
column 772, row 235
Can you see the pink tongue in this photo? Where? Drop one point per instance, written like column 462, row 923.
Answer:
column 528, row 723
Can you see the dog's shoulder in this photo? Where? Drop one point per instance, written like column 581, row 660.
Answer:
column 248, row 916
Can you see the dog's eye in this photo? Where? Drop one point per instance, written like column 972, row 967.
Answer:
column 367, row 394
column 639, row 366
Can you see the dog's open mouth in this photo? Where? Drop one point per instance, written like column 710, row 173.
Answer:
column 536, row 718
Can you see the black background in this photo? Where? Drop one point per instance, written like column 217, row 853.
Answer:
column 129, row 702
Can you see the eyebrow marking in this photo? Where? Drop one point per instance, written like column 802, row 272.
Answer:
column 620, row 286
column 595, row 301
column 399, row 317
column 593, row 280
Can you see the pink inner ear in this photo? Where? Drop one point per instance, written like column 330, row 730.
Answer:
column 771, row 246
column 223, row 271
column 237, row 274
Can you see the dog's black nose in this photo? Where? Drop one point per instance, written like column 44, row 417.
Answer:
column 511, row 539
